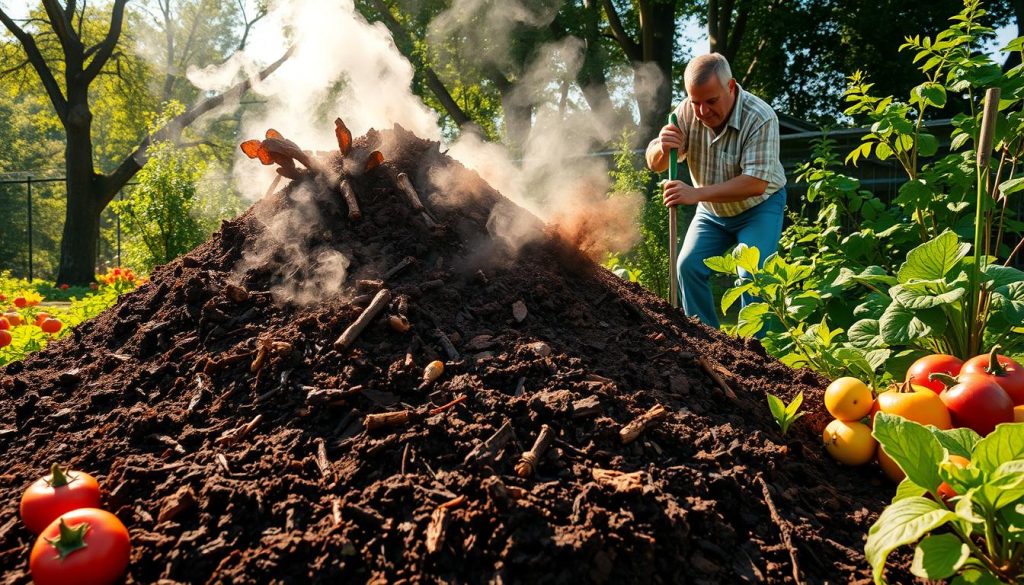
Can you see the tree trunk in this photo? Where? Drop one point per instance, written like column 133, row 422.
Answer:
column 82, row 219
column 659, row 33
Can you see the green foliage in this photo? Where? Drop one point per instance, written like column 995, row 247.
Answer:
column 785, row 414
column 27, row 338
column 977, row 535
column 160, row 215
column 647, row 262
column 886, row 283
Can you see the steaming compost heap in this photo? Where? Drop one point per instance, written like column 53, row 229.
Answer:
column 244, row 430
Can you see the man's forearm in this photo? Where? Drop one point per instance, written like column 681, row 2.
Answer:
column 735, row 189
column 657, row 160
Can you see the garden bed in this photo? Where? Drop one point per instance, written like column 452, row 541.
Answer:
column 228, row 431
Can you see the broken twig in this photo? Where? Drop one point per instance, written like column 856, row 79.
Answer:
column 631, row 431
column 715, row 372
column 488, row 450
column 376, row 306
column 350, row 199
column 783, row 528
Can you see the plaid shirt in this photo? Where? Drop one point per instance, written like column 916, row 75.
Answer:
column 749, row 145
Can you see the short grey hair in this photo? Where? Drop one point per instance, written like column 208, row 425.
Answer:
column 700, row 69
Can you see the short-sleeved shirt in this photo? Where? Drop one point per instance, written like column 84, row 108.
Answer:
column 748, row 145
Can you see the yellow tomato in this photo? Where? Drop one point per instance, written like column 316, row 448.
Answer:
column 848, row 399
column 916, row 403
column 889, row 467
column 849, row 442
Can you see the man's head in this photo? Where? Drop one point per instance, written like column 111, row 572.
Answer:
column 711, row 89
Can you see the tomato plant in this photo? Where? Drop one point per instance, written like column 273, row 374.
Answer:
column 1002, row 370
column 938, row 363
column 57, row 493
column 975, row 535
column 86, row 546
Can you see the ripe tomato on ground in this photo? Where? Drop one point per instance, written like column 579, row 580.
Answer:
column 40, row 317
column 20, row 302
column 87, row 546
column 916, row 403
column 889, row 466
column 14, row 318
column 848, row 399
column 51, row 325
column 849, row 442
column 940, row 363
column 1002, row 370
column 4, row 323
column 978, row 403
column 57, row 493
column 5, row 338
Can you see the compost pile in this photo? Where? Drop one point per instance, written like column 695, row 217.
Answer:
column 229, row 426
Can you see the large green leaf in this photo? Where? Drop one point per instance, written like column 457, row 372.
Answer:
column 733, row 294
column 1001, row 276
column 1005, row 485
column 903, row 522
column 725, row 264
column 747, row 258
column 975, row 577
column 1008, row 303
column 865, row 333
column 929, row 92
column 933, row 259
column 1012, row 186
column 917, row 296
column 959, row 441
column 912, row 446
column 900, row 325
column 1006, row 443
column 939, row 556
column 751, row 319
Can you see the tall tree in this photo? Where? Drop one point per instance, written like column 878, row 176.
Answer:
column 68, row 81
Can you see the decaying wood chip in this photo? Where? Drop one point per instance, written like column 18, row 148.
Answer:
column 634, row 428
column 489, row 449
column 235, row 293
column 176, row 446
column 175, row 504
column 322, row 462
column 480, row 343
column 437, row 528
column 619, row 481
column 202, row 384
column 528, row 461
column 369, row 285
column 715, row 371
column 586, row 407
column 402, row 265
column 380, row 301
column 402, row 417
column 336, row 511
column 329, row 396
column 349, row 195
column 519, row 311
column 446, row 343
column 223, row 462
column 234, row 435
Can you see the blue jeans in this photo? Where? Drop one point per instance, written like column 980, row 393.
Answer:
column 710, row 235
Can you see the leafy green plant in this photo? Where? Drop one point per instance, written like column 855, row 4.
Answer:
column 883, row 284
column 647, row 262
column 976, row 536
column 785, row 414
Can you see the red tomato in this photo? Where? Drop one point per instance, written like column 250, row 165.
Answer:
column 51, row 325
column 40, row 317
column 20, row 302
column 5, row 338
column 4, row 323
column 55, row 494
column 978, row 403
column 87, row 546
column 931, row 364
column 64, row 287
column 1002, row 370
column 14, row 318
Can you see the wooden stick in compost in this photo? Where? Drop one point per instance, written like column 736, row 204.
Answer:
column 350, row 199
column 488, row 450
column 634, row 428
column 377, row 305
column 528, row 460
column 711, row 371
column 783, row 528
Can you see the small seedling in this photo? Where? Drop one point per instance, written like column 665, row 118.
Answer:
column 784, row 414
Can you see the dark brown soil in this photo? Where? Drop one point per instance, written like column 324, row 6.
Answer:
column 147, row 396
